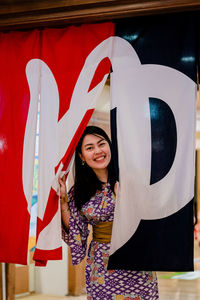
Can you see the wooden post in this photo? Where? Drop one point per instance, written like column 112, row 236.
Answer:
column 10, row 280
column 0, row 282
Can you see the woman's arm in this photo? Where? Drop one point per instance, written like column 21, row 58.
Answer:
column 74, row 225
column 65, row 215
column 65, row 211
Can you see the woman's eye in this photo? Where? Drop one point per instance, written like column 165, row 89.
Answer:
column 102, row 144
column 89, row 148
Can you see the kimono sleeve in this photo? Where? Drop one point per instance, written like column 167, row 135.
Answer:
column 76, row 237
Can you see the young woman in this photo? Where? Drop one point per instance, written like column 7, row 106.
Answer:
column 91, row 201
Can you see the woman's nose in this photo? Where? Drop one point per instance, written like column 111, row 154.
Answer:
column 97, row 150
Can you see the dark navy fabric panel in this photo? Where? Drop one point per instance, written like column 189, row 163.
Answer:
column 163, row 139
column 168, row 40
column 113, row 123
column 163, row 244
column 159, row 245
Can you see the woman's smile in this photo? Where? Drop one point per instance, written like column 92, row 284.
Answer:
column 101, row 158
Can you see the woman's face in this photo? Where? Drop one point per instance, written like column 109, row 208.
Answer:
column 95, row 151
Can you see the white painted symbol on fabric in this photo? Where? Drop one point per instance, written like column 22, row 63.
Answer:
column 131, row 86
column 55, row 137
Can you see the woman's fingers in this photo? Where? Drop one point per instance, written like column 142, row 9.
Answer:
column 62, row 180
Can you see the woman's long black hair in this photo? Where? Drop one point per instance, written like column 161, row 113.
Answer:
column 86, row 182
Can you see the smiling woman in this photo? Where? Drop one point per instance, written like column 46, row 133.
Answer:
column 92, row 201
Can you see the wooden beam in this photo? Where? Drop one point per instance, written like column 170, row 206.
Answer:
column 20, row 14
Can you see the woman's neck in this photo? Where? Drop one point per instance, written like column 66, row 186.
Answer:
column 102, row 174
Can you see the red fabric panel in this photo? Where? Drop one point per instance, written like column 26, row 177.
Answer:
column 16, row 49
column 65, row 51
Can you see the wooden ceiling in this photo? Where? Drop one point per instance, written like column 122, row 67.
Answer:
column 21, row 14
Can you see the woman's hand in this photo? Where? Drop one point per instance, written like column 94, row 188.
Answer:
column 65, row 212
column 62, row 182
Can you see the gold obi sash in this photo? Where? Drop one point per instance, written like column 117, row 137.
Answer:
column 102, row 232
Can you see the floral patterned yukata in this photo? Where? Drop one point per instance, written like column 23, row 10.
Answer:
column 103, row 284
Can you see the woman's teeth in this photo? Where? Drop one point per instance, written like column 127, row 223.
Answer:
column 100, row 158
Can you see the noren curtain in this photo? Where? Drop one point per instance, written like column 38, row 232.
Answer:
column 153, row 94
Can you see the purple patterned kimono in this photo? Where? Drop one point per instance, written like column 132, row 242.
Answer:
column 103, row 284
